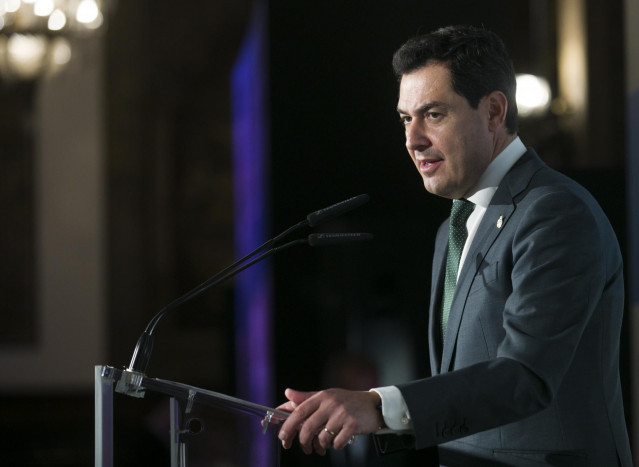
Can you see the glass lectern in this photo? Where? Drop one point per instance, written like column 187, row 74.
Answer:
column 187, row 412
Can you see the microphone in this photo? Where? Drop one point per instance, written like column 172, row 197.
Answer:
column 316, row 218
column 132, row 376
column 325, row 239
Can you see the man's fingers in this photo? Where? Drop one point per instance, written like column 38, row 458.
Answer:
column 297, row 396
column 330, row 418
column 312, row 427
column 275, row 419
column 342, row 439
column 326, row 437
column 296, row 421
column 287, row 406
column 319, row 449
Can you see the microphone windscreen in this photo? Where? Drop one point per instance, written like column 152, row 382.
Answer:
column 316, row 218
column 324, row 239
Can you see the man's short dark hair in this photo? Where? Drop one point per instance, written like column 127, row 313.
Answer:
column 477, row 59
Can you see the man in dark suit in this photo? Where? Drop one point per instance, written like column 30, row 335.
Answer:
column 527, row 299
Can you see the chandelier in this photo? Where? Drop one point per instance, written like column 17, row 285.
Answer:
column 34, row 34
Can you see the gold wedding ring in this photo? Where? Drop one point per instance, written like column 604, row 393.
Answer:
column 332, row 433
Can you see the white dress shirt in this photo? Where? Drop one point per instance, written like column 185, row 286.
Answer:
column 394, row 410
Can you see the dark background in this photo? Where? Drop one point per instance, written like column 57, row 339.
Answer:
column 334, row 134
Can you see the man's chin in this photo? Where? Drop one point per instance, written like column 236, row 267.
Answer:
column 436, row 190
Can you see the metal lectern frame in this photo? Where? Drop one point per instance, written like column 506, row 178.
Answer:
column 182, row 399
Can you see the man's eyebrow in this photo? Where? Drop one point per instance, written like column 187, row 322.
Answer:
column 425, row 108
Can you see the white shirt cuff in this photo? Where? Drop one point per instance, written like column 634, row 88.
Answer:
column 394, row 409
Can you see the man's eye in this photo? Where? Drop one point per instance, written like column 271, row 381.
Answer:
column 404, row 120
column 434, row 115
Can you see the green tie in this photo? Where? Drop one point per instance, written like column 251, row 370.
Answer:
column 457, row 235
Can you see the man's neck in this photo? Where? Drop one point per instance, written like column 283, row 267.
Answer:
column 502, row 142
column 496, row 170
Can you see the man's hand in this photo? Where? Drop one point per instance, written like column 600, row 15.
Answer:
column 330, row 418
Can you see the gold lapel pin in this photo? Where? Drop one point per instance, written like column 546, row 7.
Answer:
column 500, row 222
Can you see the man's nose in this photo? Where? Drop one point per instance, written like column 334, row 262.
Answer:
column 416, row 137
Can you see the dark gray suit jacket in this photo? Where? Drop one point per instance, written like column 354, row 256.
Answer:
column 529, row 372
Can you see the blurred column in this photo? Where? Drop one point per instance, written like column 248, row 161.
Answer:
column 573, row 68
column 632, row 164
column 69, row 200
column 590, row 60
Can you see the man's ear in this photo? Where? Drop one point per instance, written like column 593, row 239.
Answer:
column 497, row 109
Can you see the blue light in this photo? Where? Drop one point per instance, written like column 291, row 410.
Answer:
column 251, row 205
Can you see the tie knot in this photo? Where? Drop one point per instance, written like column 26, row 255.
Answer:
column 461, row 210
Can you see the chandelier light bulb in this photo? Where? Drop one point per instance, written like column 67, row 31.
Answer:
column 43, row 7
column 34, row 35
column 11, row 6
column 57, row 20
column 533, row 95
column 87, row 12
column 26, row 54
column 61, row 52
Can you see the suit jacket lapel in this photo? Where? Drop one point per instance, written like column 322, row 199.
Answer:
column 502, row 204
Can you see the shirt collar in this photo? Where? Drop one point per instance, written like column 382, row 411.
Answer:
column 482, row 192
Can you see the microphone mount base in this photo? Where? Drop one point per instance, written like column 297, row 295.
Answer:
column 130, row 383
